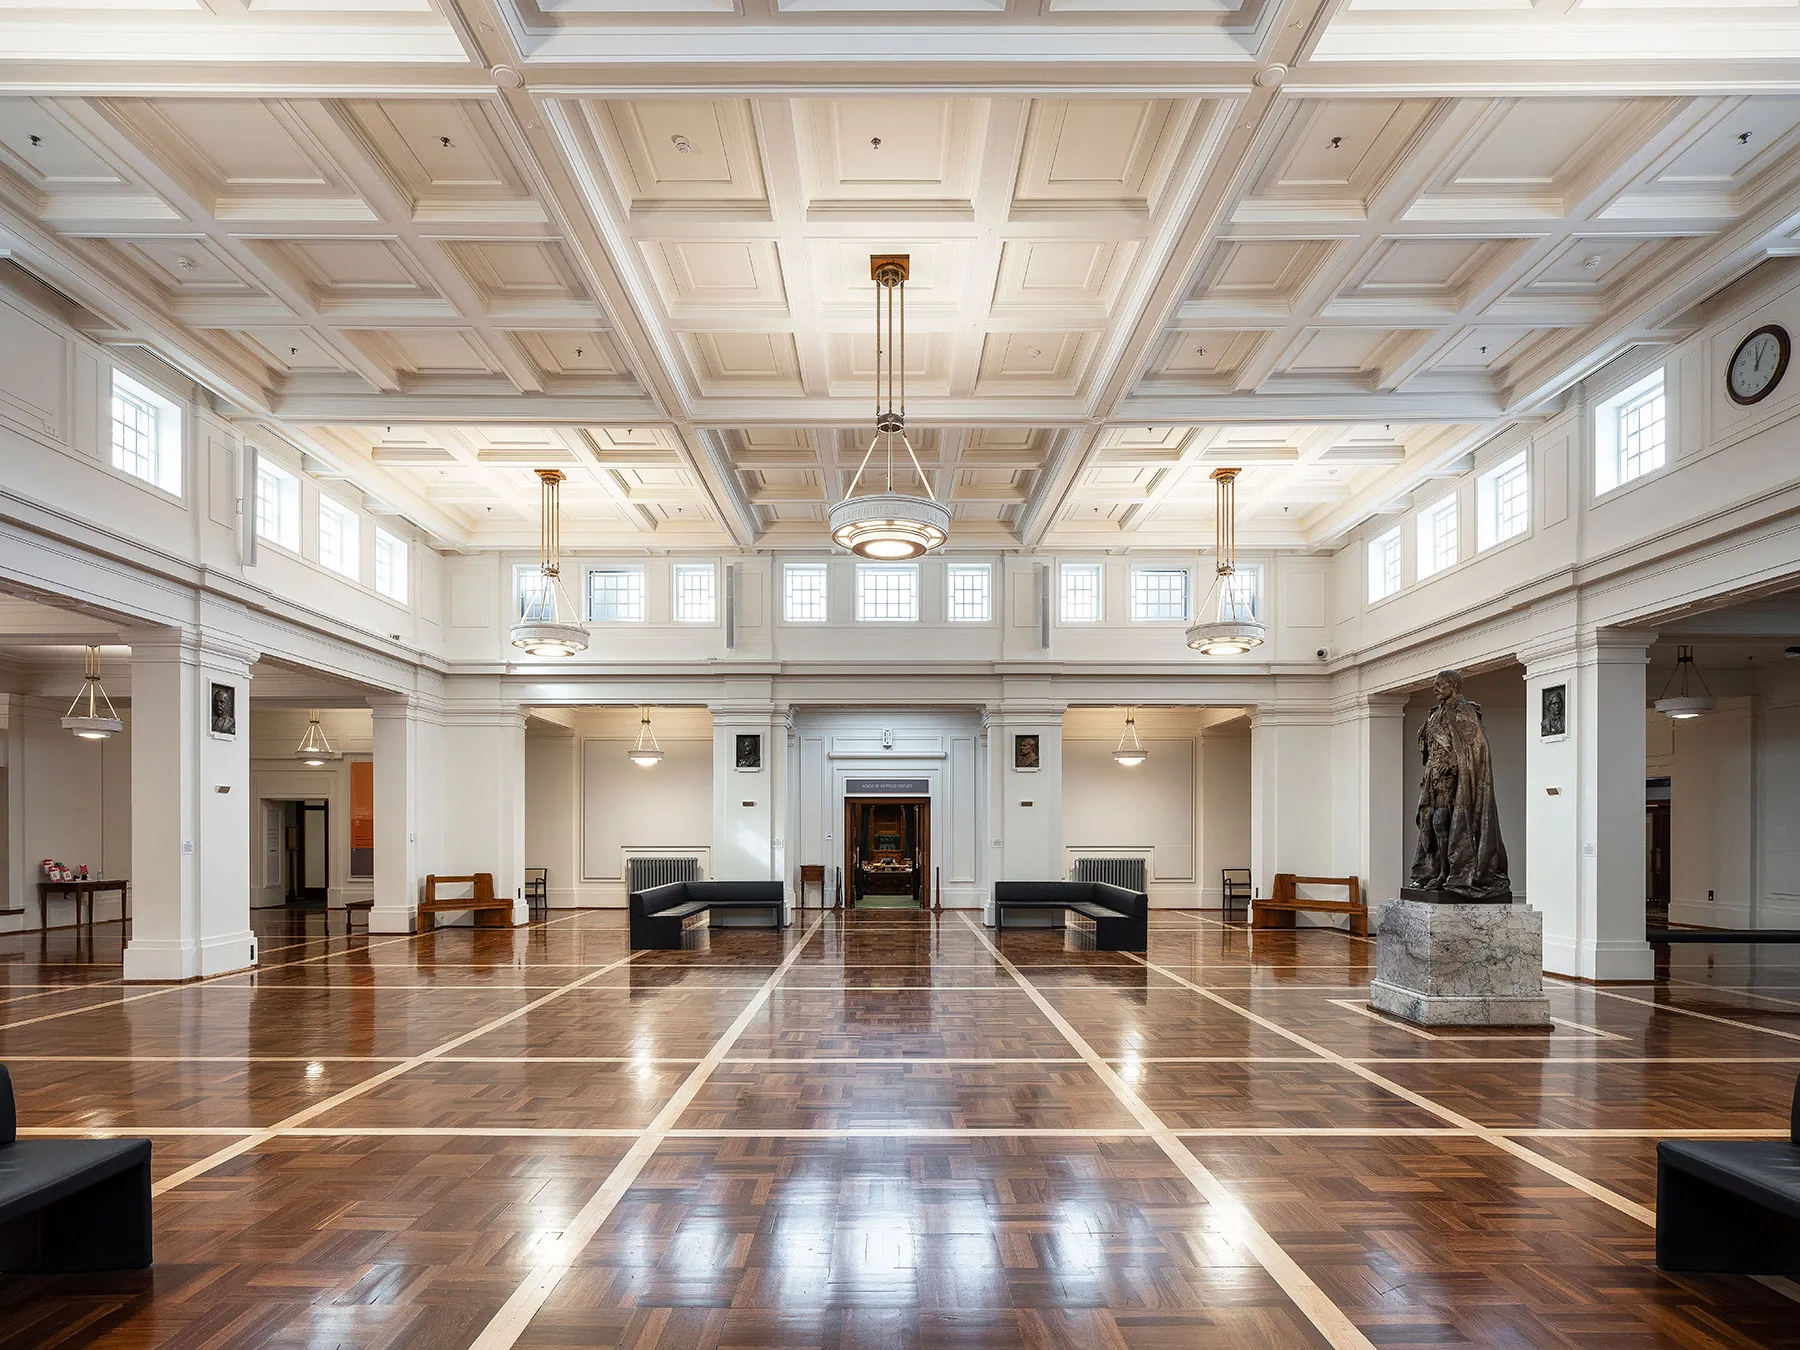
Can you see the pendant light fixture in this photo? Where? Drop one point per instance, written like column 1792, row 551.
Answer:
column 1682, row 705
column 85, row 717
column 315, row 747
column 1130, row 752
column 890, row 526
column 1236, row 630
column 548, row 626
column 646, row 753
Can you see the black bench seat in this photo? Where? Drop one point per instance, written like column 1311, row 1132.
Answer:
column 656, row 912
column 1121, row 916
column 1730, row 1206
column 71, row 1204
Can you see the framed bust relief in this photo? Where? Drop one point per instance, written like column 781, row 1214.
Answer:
column 1553, row 712
column 1025, row 752
column 749, row 751
column 223, row 723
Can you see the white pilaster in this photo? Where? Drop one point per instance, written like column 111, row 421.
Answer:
column 1584, row 795
column 482, row 792
column 747, row 802
column 408, row 807
column 1368, row 784
column 190, row 815
column 1025, row 804
column 1291, row 808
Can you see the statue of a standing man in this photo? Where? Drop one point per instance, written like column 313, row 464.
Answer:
column 1459, row 853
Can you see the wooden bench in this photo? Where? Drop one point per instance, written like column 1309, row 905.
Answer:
column 1278, row 910
column 490, row 912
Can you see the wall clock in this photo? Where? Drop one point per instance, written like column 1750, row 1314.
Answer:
column 1758, row 365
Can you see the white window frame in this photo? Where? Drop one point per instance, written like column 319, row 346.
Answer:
column 393, row 557
column 1384, row 563
column 1491, row 528
column 349, row 561
column 1139, row 611
column 277, row 504
column 984, row 611
column 1246, row 585
column 635, row 606
column 1440, row 537
column 1611, row 433
column 534, row 600
column 1070, row 570
column 681, row 604
column 158, row 462
column 789, row 573
column 872, row 578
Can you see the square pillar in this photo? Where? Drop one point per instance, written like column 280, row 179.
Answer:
column 749, row 803
column 1584, row 795
column 408, row 755
column 1024, row 803
column 482, row 814
column 1291, row 791
column 190, row 810
column 1368, row 770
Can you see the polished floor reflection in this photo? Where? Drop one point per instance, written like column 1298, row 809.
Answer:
column 884, row 1128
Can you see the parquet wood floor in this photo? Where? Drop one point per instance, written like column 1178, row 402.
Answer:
column 883, row 1130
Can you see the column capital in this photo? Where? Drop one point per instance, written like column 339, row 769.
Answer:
column 1356, row 707
column 406, row 705
column 1295, row 714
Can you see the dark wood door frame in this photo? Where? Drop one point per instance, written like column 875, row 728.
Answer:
column 852, row 840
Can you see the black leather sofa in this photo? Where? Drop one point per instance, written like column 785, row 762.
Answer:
column 1730, row 1206
column 71, row 1204
column 1121, row 917
column 657, row 912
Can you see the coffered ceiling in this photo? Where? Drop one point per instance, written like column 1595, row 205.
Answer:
column 434, row 244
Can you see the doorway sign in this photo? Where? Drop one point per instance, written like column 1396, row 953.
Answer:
column 913, row 787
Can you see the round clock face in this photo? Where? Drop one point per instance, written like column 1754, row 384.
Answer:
column 1758, row 364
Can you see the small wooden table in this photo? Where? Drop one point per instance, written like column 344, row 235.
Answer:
column 81, row 890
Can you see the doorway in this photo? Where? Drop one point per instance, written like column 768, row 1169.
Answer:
column 305, row 848
column 1656, row 852
column 887, row 852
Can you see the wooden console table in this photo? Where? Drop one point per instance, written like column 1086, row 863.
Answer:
column 80, row 891
column 1278, row 910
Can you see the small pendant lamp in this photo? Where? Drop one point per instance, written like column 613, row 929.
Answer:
column 84, row 717
column 548, row 626
column 1679, row 707
column 890, row 526
column 646, row 753
column 1236, row 630
column 315, row 747
column 1131, row 751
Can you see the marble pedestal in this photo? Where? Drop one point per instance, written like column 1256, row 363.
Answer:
column 1461, row 965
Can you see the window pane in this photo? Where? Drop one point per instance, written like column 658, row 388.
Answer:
column 1159, row 593
column 133, row 435
column 804, row 593
column 537, row 598
column 1438, row 538
column 1080, row 593
column 616, row 595
column 971, row 593
column 277, row 505
column 390, row 566
column 1642, row 434
column 1238, row 594
column 1384, row 565
column 887, row 594
column 1512, row 502
column 340, row 539
column 696, row 593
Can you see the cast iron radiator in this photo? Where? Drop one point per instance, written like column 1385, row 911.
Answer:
column 1126, row 872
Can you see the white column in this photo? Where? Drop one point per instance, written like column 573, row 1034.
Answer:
column 1368, row 779
column 1024, row 804
column 1584, row 804
column 190, row 819
column 1291, row 808
column 408, row 808
column 745, row 799
column 483, row 797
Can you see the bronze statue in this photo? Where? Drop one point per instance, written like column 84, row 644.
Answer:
column 1460, row 856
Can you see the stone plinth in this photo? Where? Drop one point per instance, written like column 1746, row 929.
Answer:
column 1478, row 965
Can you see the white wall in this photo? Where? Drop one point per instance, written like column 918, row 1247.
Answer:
column 1225, row 805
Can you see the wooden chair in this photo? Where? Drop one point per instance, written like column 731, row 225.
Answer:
column 1235, row 889
column 812, row 875
column 352, row 908
column 1279, row 909
column 490, row 911
column 537, row 891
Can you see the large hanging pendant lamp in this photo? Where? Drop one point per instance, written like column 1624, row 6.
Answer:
column 888, row 525
column 646, row 753
column 315, row 746
column 1131, row 751
column 1236, row 630
column 1683, row 704
column 84, row 717
column 548, row 626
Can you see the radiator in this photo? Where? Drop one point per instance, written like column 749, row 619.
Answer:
column 643, row 873
column 1127, row 872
